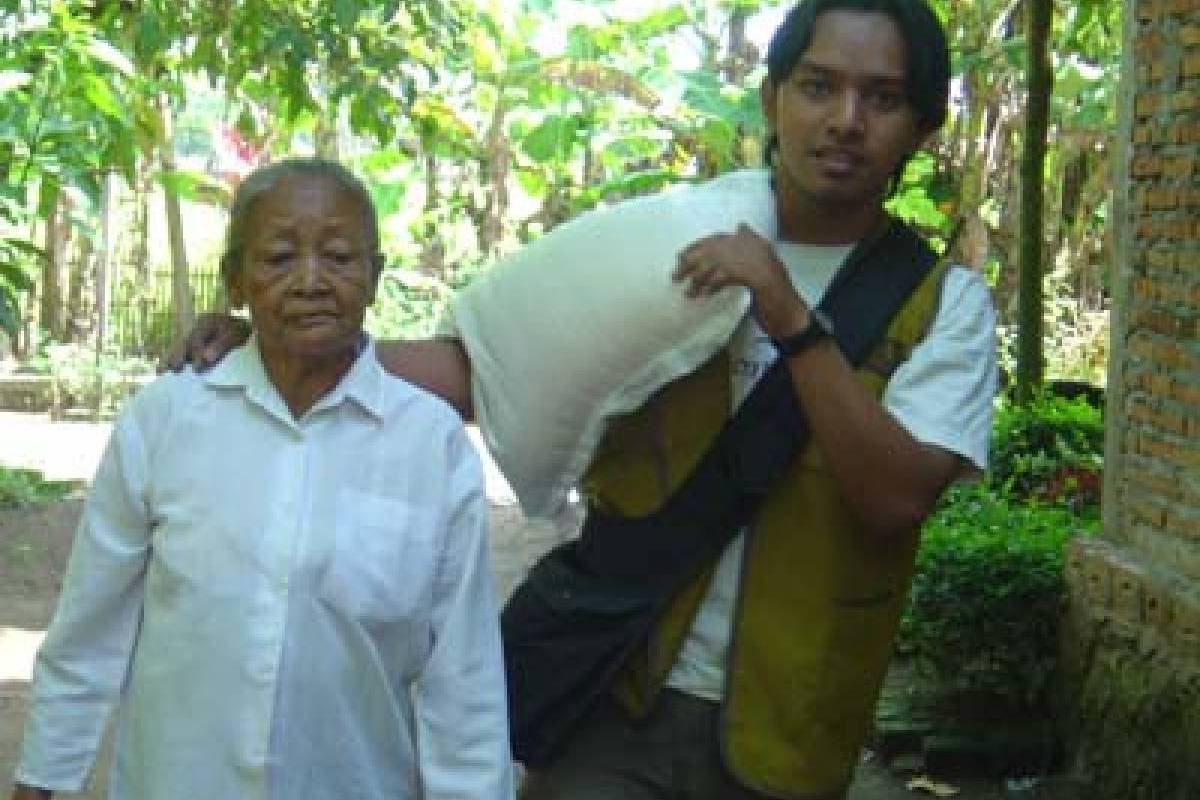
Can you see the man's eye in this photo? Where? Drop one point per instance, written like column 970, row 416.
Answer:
column 887, row 99
column 278, row 258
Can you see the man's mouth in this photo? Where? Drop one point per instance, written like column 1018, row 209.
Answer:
column 838, row 161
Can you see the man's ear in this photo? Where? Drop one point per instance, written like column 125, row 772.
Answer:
column 767, row 96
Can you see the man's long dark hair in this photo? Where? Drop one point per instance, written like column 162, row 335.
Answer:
column 927, row 77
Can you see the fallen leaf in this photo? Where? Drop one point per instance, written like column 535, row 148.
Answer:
column 923, row 783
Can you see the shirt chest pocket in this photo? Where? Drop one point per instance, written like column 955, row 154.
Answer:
column 382, row 565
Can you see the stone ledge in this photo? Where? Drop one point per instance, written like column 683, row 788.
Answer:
column 1114, row 584
column 26, row 392
column 36, row 393
column 1130, row 675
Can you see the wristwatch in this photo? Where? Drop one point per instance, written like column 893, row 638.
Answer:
column 819, row 327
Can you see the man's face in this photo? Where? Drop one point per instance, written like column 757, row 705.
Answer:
column 308, row 268
column 843, row 117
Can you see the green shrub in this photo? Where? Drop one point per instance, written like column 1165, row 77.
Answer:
column 1051, row 449
column 983, row 613
column 24, row 487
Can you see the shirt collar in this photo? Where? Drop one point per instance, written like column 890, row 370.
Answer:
column 363, row 384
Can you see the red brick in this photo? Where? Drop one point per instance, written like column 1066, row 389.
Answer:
column 1162, row 259
column 1147, row 167
column 1181, row 167
column 1146, row 105
column 1163, row 197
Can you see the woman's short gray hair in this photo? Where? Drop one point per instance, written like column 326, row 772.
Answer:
column 264, row 179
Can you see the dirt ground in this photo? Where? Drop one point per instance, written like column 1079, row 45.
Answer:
column 34, row 544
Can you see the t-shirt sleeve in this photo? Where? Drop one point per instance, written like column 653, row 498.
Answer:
column 944, row 393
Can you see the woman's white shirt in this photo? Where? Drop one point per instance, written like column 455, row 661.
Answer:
column 282, row 608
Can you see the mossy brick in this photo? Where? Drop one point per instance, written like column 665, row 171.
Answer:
column 1185, row 625
column 1145, row 105
column 1191, row 65
column 1179, row 167
column 1147, row 166
column 1163, row 197
column 1162, row 259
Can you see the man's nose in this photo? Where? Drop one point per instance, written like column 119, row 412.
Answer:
column 847, row 113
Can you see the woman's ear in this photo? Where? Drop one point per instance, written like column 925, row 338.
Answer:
column 235, row 293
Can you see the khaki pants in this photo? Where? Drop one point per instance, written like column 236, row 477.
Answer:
column 674, row 755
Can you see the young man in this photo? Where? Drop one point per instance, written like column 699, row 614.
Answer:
column 761, row 680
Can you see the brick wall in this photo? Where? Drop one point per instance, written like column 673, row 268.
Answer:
column 1132, row 635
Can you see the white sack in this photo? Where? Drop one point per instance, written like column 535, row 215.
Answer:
column 585, row 323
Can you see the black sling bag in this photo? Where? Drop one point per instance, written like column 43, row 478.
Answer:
column 587, row 604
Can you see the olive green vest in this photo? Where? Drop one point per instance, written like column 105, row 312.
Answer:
column 819, row 599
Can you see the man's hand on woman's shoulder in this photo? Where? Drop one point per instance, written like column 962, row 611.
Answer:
column 210, row 339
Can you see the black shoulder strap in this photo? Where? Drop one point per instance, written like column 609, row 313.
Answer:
column 869, row 289
column 760, row 440
column 586, row 604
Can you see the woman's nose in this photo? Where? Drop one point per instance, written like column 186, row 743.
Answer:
column 310, row 275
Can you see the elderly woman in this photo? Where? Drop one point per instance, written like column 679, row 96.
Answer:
column 281, row 575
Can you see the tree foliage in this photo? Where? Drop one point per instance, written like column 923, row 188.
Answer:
column 481, row 124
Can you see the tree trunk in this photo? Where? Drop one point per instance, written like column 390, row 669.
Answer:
column 80, row 322
column 53, row 269
column 325, row 137
column 182, row 307
column 1030, row 361
column 495, row 176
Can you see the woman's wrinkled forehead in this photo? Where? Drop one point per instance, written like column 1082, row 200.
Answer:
column 308, row 196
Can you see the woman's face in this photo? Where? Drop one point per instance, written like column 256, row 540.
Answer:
column 308, row 268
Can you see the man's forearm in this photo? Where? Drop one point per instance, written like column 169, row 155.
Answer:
column 439, row 366
column 888, row 478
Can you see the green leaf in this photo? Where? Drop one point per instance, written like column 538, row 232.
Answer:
column 346, row 14
column 194, row 186
column 104, row 52
column 10, row 319
column 98, row 93
column 532, row 182
column 29, row 249
column 552, row 138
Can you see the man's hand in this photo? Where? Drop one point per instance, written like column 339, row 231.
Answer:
column 211, row 338
column 23, row 792
column 744, row 258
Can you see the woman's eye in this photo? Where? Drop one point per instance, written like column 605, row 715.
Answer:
column 814, row 86
column 278, row 258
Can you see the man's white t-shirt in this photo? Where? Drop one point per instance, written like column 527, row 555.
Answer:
column 942, row 395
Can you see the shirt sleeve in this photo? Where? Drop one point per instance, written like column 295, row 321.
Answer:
column 461, row 703
column 944, row 393
column 82, row 663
